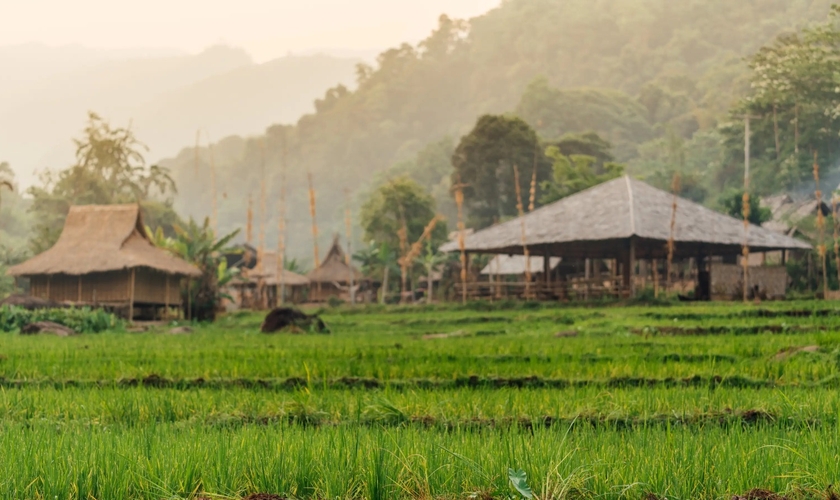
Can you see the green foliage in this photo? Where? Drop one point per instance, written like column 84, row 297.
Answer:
column 110, row 169
column 576, row 172
column 555, row 113
column 484, row 163
column 393, row 203
column 82, row 320
column 199, row 245
column 732, row 203
column 519, row 480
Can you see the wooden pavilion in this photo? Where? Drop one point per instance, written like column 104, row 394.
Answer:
column 624, row 222
column 105, row 258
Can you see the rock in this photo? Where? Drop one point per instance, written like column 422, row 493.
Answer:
column 47, row 327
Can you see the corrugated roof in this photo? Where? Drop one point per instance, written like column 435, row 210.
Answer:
column 620, row 209
column 516, row 265
column 99, row 238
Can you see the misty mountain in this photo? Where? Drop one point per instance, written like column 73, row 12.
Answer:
column 647, row 68
column 165, row 98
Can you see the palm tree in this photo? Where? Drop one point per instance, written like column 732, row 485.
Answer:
column 198, row 245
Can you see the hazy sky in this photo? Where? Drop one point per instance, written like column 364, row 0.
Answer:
column 266, row 28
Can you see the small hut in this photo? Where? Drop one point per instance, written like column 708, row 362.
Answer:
column 105, row 258
column 335, row 277
column 261, row 286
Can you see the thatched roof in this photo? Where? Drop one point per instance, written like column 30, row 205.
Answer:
column 267, row 272
column 594, row 222
column 516, row 265
column 334, row 268
column 99, row 238
column 787, row 215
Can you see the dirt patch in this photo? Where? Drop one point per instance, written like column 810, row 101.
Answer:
column 566, row 334
column 790, row 351
column 759, row 494
column 180, row 330
column 47, row 327
column 264, row 496
column 725, row 330
column 292, row 320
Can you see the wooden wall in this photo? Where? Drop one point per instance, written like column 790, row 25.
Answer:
column 150, row 287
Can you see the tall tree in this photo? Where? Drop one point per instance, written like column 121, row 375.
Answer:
column 396, row 204
column 484, row 161
column 110, row 168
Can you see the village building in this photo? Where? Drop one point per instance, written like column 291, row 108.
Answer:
column 262, row 286
column 104, row 257
column 336, row 277
column 627, row 224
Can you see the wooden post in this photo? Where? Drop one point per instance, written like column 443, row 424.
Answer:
column 49, row 278
column 632, row 266
column 465, row 277
column 547, row 269
column 131, row 297
column 655, row 278
column 79, row 295
column 586, row 279
column 166, row 315
column 784, row 257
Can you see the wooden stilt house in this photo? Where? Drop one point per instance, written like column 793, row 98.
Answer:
column 104, row 258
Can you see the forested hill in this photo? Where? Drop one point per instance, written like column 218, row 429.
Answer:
column 646, row 74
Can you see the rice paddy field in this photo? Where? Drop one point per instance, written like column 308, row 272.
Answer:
column 700, row 401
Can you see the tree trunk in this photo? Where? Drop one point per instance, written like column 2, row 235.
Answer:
column 429, row 285
column 384, row 291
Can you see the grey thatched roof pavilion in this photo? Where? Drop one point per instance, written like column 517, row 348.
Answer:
column 624, row 219
column 601, row 221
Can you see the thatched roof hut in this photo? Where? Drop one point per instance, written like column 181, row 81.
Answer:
column 788, row 216
column 334, row 268
column 600, row 222
column 104, row 256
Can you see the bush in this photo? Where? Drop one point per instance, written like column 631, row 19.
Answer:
column 82, row 320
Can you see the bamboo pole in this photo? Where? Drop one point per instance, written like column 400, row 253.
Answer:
column 525, row 251
column 263, row 296
column 281, row 229
column 675, row 189
column 314, row 229
column 836, row 235
column 745, row 249
column 459, row 202
column 348, row 228
column 820, row 224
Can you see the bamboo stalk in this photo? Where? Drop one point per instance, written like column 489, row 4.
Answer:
column 675, row 189
column 836, row 234
column 314, row 221
column 459, row 202
column 525, row 251
column 820, row 224
column 281, row 229
column 348, row 228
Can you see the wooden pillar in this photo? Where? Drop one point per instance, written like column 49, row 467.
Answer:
column 49, row 278
column 79, row 293
column 628, row 267
column 466, row 280
column 655, row 265
column 547, row 268
column 166, row 310
column 784, row 257
column 586, row 277
column 131, row 297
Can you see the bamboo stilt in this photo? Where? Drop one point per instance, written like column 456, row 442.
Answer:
column 525, row 251
column 820, row 224
column 459, row 203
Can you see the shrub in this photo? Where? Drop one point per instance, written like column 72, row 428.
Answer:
column 82, row 320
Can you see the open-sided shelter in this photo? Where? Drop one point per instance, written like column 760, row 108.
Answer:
column 334, row 277
column 262, row 286
column 626, row 220
column 104, row 258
